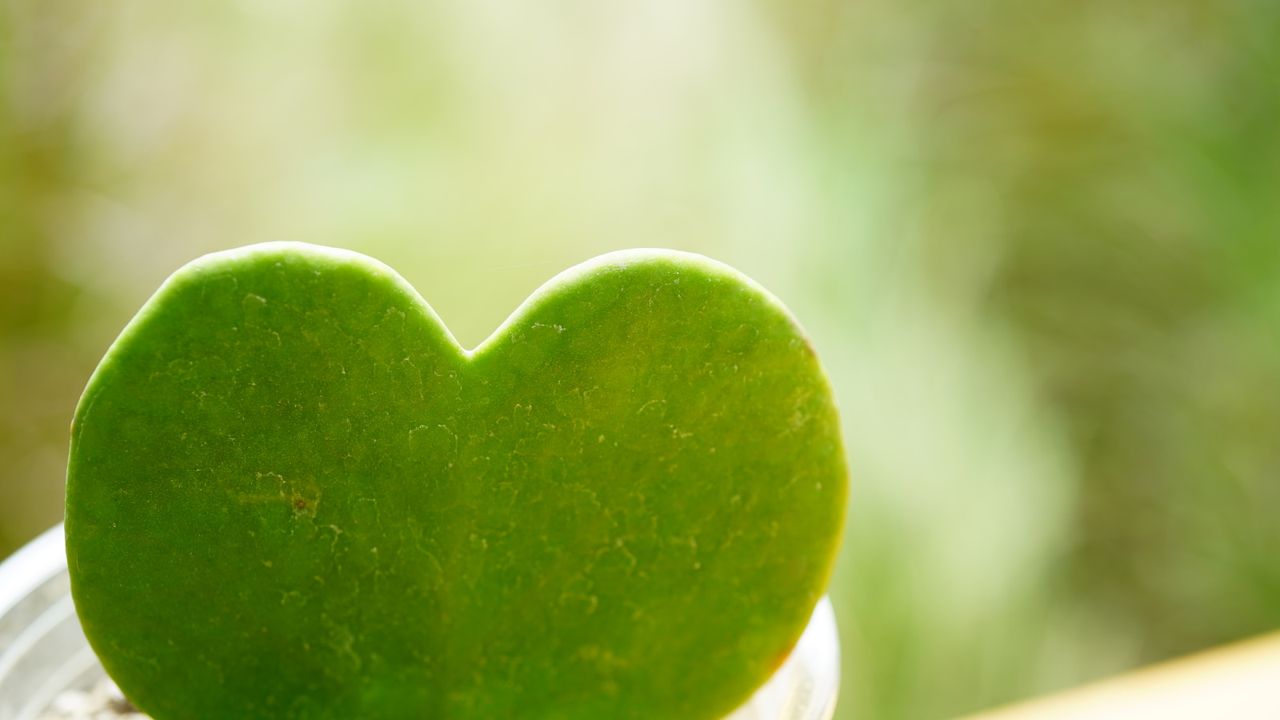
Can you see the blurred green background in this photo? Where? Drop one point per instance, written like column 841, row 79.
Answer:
column 1037, row 244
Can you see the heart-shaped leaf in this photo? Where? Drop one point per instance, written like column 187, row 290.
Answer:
column 292, row 494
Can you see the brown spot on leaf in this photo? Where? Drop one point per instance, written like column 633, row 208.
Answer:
column 781, row 657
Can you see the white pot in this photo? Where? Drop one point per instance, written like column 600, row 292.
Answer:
column 43, row 653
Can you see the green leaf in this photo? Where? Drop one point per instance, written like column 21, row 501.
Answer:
column 292, row 494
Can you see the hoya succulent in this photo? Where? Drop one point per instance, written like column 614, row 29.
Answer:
column 291, row 493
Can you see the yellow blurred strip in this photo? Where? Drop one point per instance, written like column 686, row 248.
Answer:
column 1240, row 681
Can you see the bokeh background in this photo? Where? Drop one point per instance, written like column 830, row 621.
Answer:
column 1037, row 243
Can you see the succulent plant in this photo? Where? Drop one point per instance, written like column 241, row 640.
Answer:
column 291, row 493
